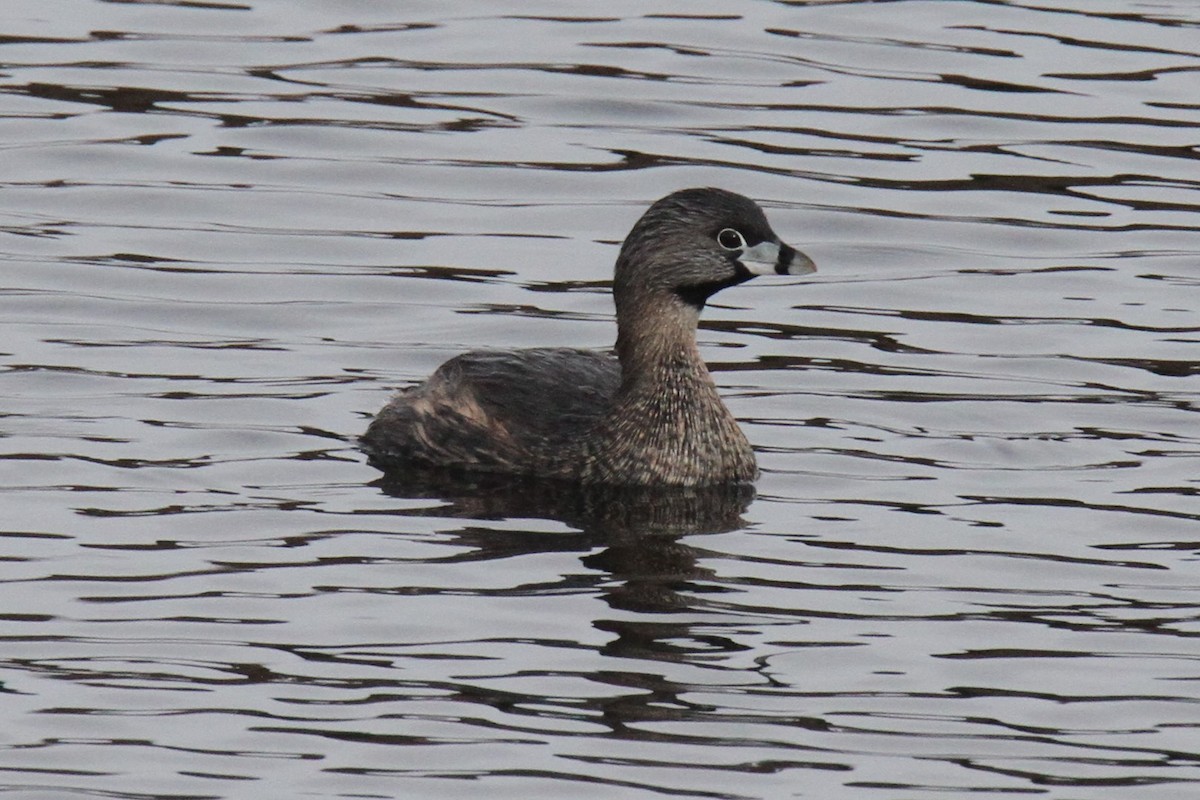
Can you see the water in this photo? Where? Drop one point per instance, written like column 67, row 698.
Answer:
column 230, row 228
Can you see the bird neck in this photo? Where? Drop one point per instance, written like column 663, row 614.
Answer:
column 667, row 423
column 656, row 340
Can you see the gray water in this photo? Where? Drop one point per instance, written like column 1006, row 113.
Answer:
column 230, row 229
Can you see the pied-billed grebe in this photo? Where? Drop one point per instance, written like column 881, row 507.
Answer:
column 649, row 416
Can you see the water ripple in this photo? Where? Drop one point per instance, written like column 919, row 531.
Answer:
column 228, row 230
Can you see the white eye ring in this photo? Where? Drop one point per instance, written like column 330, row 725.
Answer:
column 730, row 239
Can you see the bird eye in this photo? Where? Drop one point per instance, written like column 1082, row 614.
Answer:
column 731, row 239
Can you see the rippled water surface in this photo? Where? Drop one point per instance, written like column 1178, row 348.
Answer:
column 229, row 229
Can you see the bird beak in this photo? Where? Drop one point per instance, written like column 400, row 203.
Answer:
column 767, row 258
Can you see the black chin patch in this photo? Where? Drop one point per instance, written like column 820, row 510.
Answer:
column 697, row 294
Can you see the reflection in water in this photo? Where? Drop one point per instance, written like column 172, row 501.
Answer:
column 640, row 530
column 635, row 540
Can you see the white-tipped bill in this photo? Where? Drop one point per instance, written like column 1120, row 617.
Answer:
column 776, row 258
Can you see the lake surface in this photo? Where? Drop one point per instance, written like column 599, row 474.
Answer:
column 229, row 229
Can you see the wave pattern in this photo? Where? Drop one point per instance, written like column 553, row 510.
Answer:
column 227, row 229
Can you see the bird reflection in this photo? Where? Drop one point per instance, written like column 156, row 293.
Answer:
column 634, row 544
column 640, row 530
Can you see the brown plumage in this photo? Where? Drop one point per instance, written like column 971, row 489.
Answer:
column 650, row 416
